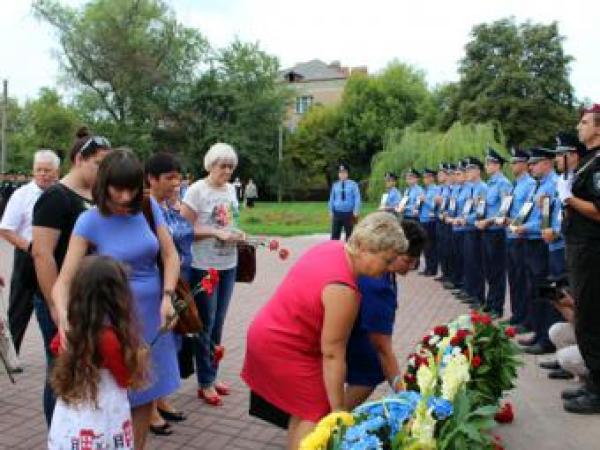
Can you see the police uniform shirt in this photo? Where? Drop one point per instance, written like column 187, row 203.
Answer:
column 413, row 193
column 344, row 197
column 586, row 186
column 546, row 188
column 18, row 214
column 454, row 193
column 463, row 195
column 427, row 213
column 498, row 187
column 556, row 213
column 523, row 190
column 393, row 198
column 478, row 192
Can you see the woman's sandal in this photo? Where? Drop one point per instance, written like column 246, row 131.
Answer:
column 213, row 400
column 172, row 416
column 222, row 389
column 161, row 430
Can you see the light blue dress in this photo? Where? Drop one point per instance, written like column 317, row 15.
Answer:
column 129, row 240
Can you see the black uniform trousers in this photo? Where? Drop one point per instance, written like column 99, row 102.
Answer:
column 431, row 256
column 341, row 220
column 517, row 280
column 458, row 248
column 583, row 268
column 23, row 285
column 537, row 270
column 473, row 266
column 441, row 231
column 494, row 267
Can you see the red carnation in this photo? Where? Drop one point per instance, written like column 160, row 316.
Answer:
column 462, row 333
column 476, row 361
column 273, row 245
column 511, row 332
column 441, row 330
column 475, row 317
column 284, row 253
column 218, row 353
column 214, row 275
column 425, row 340
column 505, row 413
column 455, row 341
column 409, row 378
column 207, row 285
column 486, row 319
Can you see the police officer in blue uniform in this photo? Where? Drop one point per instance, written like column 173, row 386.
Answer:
column 447, row 217
column 523, row 187
column 390, row 199
column 413, row 194
column 474, row 276
column 344, row 204
column 458, row 221
column 441, row 228
column 581, row 227
column 541, row 161
column 494, row 236
column 427, row 217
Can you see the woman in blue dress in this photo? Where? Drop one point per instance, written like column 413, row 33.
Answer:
column 163, row 176
column 116, row 227
column 370, row 357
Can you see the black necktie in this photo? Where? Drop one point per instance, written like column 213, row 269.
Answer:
column 343, row 192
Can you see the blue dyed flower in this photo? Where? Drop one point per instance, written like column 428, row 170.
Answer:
column 410, row 397
column 441, row 407
column 370, row 442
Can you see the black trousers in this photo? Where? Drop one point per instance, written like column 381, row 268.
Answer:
column 583, row 268
column 431, row 256
column 441, row 240
column 473, row 266
column 23, row 285
column 537, row 267
column 494, row 267
column 517, row 280
column 458, row 248
column 341, row 220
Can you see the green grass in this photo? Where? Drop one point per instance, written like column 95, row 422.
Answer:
column 289, row 218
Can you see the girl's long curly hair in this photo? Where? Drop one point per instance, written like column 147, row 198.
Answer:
column 99, row 296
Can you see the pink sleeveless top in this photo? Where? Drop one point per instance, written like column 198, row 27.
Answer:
column 283, row 362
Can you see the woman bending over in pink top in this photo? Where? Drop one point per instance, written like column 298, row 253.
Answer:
column 295, row 361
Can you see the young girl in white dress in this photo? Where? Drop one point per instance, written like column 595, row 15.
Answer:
column 100, row 357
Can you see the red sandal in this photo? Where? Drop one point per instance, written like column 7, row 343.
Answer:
column 222, row 389
column 213, row 400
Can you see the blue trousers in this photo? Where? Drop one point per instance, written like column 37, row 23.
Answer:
column 473, row 266
column 494, row 267
column 517, row 280
column 458, row 244
column 431, row 256
column 48, row 330
column 212, row 310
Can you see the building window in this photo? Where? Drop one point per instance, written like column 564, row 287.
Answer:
column 303, row 103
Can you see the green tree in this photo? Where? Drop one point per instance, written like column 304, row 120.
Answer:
column 516, row 75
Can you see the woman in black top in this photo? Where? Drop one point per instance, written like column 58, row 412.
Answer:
column 54, row 217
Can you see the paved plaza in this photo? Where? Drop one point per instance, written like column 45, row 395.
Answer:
column 540, row 422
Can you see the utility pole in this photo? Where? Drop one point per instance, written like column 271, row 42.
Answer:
column 279, row 168
column 3, row 130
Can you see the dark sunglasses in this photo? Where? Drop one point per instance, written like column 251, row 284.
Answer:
column 94, row 143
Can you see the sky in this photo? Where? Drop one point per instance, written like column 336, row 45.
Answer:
column 430, row 35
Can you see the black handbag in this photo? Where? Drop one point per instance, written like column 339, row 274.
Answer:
column 246, row 267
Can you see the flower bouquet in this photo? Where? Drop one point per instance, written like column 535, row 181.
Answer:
column 451, row 392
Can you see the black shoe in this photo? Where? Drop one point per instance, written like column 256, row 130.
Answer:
column 423, row 273
column 17, row 369
column 161, row 430
column 448, row 285
column 560, row 374
column 462, row 295
column 429, row 274
column 468, row 300
column 569, row 394
column 172, row 416
column 539, row 349
column 440, row 278
column 550, row 365
column 522, row 329
column 588, row 403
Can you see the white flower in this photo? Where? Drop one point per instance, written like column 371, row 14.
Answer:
column 426, row 379
column 456, row 375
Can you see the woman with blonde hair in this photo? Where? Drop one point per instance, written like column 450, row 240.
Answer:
column 295, row 361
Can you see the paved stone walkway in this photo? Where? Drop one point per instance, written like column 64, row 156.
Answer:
column 540, row 421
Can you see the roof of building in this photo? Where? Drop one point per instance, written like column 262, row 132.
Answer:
column 315, row 70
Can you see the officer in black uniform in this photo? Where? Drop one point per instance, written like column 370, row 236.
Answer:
column 581, row 195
